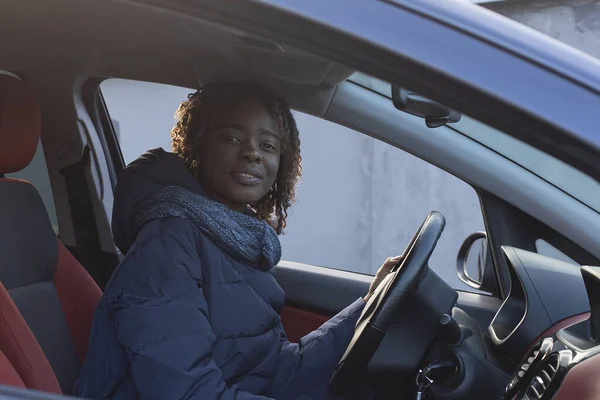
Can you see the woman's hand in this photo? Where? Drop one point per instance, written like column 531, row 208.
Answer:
column 383, row 271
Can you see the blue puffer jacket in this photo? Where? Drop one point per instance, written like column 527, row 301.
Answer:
column 182, row 320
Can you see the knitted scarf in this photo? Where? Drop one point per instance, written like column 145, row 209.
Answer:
column 240, row 236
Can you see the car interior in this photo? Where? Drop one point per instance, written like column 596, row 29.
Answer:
column 495, row 342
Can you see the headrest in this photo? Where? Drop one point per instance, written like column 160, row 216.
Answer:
column 20, row 124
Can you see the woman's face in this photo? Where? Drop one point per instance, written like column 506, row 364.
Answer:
column 239, row 156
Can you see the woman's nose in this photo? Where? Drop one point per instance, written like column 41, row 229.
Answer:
column 251, row 154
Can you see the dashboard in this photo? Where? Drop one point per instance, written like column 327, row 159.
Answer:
column 561, row 367
column 563, row 301
column 544, row 293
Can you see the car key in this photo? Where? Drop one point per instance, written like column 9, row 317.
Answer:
column 423, row 382
column 442, row 370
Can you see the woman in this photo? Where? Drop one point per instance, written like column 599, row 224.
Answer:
column 193, row 310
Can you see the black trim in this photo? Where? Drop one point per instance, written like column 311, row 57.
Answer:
column 568, row 247
column 507, row 225
column 478, row 306
column 80, row 202
column 96, row 108
column 100, row 264
column 110, row 133
column 87, row 251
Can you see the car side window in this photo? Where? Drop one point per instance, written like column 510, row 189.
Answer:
column 37, row 173
column 359, row 200
column 142, row 114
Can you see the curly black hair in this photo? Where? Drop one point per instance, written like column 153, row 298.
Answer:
column 195, row 116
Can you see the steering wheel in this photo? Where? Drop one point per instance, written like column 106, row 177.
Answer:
column 385, row 303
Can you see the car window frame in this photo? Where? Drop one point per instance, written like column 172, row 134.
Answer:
column 103, row 113
column 385, row 89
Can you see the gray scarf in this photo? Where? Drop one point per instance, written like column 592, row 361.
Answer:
column 240, row 236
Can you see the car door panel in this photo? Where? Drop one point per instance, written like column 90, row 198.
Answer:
column 323, row 290
column 314, row 294
column 298, row 322
column 479, row 306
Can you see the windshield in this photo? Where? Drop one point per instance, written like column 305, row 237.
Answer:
column 563, row 176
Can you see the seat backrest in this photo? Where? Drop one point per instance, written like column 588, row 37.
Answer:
column 8, row 374
column 21, row 351
column 52, row 291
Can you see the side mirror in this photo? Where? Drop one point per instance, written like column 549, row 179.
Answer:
column 471, row 260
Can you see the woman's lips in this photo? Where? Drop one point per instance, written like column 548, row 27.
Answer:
column 247, row 178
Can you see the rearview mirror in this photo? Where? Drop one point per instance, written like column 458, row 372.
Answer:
column 435, row 114
column 471, row 260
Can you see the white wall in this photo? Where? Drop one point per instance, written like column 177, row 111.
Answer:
column 359, row 201
column 574, row 22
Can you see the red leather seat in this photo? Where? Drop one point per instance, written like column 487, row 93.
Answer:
column 52, row 291
column 21, row 354
column 8, row 375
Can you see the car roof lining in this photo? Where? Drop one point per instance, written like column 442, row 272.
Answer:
column 156, row 46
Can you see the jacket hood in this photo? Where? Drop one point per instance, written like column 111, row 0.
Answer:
column 145, row 176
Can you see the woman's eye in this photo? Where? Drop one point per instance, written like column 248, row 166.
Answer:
column 233, row 139
column 269, row 146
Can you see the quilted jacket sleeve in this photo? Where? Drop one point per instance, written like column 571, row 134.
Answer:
column 160, row 314
column 305, row 368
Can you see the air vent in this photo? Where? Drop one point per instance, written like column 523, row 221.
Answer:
column 547, row 376
column 537, row 353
